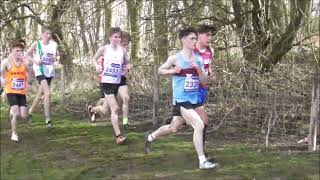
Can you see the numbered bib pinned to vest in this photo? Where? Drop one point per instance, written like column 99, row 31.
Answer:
column 18, row 84
column 191, row 83
column 48, row 59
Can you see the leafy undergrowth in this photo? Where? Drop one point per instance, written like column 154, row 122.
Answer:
column 75, row 149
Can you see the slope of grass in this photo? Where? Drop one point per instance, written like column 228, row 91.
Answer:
column 74, row 149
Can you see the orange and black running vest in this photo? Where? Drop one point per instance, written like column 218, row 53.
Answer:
column 16, row 79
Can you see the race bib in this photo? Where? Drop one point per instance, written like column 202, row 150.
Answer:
column 113, row 70
column 48, row 59
column 191, row 83
column 17, row 84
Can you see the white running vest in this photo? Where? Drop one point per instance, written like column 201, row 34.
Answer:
column 113, row 60
column 48, row 59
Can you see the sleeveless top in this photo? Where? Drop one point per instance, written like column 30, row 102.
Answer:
column 47, row 55
column 112, row 64
column 16, row 79
column 185, row 85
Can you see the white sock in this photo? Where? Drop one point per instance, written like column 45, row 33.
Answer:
column 150, row 138
column 202, row 159
column 47, row 120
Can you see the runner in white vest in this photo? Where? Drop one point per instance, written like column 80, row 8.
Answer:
column 114, row 57
column 44, row 53
column 123, row 92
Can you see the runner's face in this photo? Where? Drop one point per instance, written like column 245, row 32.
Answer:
column 190, row 41
column 17, row 52
column 125, row 44
column 46, row 35
column 205, row 38
column 115, row 39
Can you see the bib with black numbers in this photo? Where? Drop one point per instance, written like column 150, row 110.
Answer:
column 48, row 59
column 191, row 83
column 112, row 70
column 17, row 84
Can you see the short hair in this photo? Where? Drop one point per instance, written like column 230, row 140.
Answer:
column 206, row 28
column 186, row 31
column 17, row 43
column 125, row 36
column 114, row 30
column 45, row 28
column 22, row 41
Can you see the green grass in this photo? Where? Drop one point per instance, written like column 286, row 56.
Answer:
column 74, row 149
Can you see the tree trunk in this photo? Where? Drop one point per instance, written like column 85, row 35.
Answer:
column 97, row 25
column 262, row 44
column 160, row 50
column 82, row 29
column 134, row 7
column 315, row 113
column 56, row 27
column 284, row 44
column 107, row 19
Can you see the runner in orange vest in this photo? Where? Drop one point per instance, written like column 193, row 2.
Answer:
column 15, row 79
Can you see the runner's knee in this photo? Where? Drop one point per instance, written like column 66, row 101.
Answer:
column 126, row 99
column 174, row 129
column 115, row 109
column 198, row 126
column 15, row 114
column 24, row 115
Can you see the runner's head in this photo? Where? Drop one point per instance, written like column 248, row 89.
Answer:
column 23, row 42
column 45, row 33
column 205, row 32
column 115, row 35
column 17, row 48
column 188, row 37
column 125, row 40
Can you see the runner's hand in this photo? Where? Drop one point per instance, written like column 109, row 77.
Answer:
column 98, row 68
column 193, row 64
column 212, row 76
column 175, row 70
column 38, row 62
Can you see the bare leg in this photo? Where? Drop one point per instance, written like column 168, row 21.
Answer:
column 203, row 115
column 114, row 113
column 47, row 97
column 171, row 128
column 124, row 94
column 102, row 106
column 192, row 117
column 15, row 112
column 36, row 100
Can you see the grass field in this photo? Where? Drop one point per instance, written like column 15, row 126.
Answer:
column 75, row 149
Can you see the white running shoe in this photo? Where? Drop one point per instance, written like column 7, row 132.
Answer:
column 93, row 117
column 49, row 124
column 14, row 137
column 207, row 165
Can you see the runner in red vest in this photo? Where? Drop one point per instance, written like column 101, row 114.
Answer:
column 203, row 49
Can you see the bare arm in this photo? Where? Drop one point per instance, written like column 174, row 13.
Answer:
column 4, row 65
column 30, row 52
column 212, row 75
column 58, row 56
column 200, row 71
column 98, row 54
column 166, row 68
